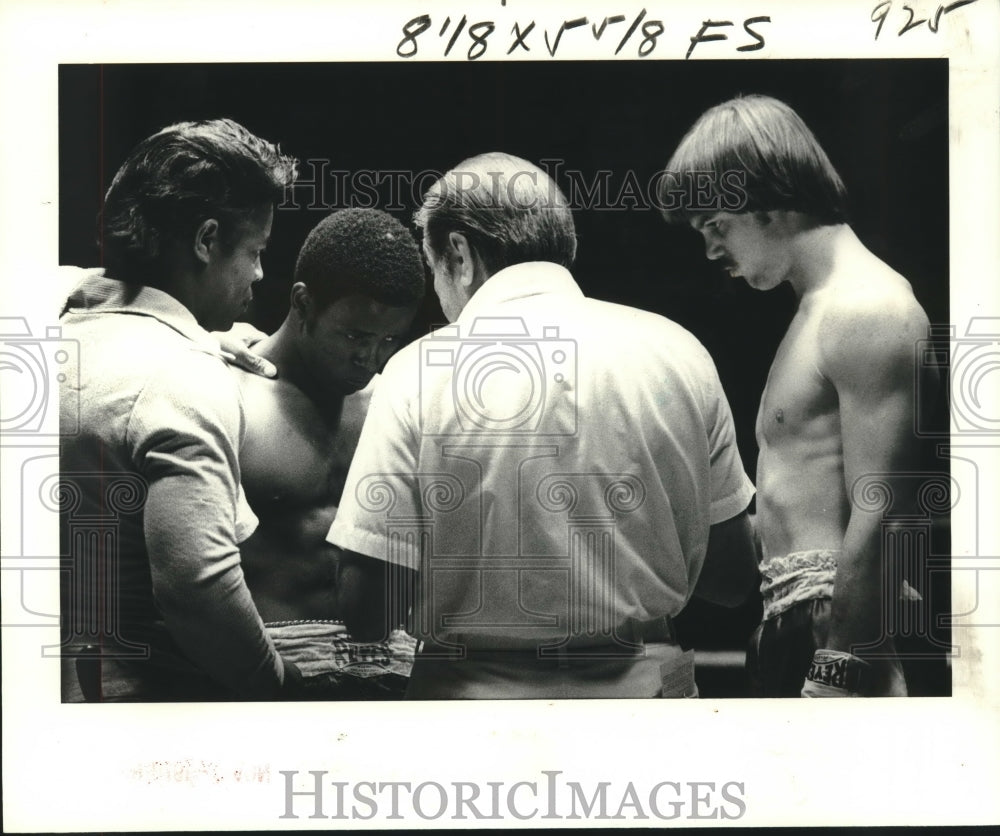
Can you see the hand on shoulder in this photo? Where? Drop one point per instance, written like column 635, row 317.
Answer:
column 236, row 345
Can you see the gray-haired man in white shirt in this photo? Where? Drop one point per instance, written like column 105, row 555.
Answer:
column 540, row 486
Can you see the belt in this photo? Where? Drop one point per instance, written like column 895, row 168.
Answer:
column 626, row 640
column 629, row 638
column 656, row 630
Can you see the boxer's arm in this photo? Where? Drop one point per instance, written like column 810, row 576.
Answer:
column 758, row 546
column 372, row 595
column 868, row 354
column 729, row 573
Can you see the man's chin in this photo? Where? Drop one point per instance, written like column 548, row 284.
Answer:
column 349, row 387
column 763, row 283
column 217, row 325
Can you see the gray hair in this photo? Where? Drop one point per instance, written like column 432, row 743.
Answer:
column 510, row 210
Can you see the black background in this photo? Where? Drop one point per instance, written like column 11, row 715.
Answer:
column 883, row 123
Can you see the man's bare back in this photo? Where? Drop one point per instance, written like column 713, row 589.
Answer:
column 294, row 461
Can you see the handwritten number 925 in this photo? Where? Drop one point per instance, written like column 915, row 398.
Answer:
column 881, row 12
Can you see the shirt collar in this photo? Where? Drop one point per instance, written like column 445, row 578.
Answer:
column 520, row 281
column 98, row 294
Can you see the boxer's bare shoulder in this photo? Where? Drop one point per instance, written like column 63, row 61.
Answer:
column 871, row 323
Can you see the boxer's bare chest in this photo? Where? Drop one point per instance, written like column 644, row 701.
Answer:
column 798, row 402
column 293, row 458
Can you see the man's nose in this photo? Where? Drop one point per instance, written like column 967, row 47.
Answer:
column 258, row 272
column 368, row 357
column 713, row 249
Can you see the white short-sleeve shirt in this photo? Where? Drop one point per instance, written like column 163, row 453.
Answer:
column 550, row 464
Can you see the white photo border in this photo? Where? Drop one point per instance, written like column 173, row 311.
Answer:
column 218, row 766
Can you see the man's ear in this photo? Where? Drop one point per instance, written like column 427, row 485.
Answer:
column 463, row 257
column 301, row 302
column 205, row 238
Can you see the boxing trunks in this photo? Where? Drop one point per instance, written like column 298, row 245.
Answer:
column 797, row 590
column 335, row 667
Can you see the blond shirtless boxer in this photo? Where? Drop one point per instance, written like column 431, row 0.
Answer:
column 358, row 281
column 839, row 400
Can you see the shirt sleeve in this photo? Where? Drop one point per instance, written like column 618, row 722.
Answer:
column 732, row 489
column 183, row 434
column 382, row 488
column 246, row 519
